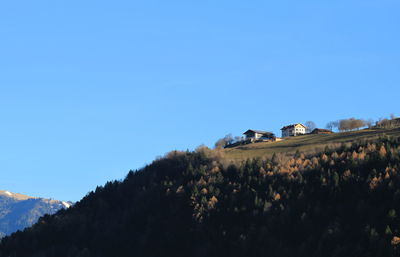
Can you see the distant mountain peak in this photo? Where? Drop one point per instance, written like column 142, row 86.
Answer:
column 66, row 204
column 18, row 211
column 16, row 196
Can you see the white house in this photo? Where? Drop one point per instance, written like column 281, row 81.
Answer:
column 293, row 130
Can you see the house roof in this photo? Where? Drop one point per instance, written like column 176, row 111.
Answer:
column 258, row 131
column 321, row 130
column 292, row 126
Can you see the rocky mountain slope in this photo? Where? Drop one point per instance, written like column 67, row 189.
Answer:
column 19, row 211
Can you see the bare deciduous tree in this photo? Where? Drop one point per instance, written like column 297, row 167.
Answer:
column 344, row 125
column 310, row 125
column 386, row 123
column 369, row 123
column 332, row 124
column 357, row 123
column 351, row 124
column 227, row 140
column 237, row 139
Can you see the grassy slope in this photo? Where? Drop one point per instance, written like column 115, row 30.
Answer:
column 306, row 143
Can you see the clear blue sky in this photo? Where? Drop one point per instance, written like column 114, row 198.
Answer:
column 91, row 89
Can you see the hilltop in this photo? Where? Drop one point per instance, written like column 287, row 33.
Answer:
column 339, row 202
column 308, row 143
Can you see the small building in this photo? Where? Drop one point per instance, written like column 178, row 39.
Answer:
column 293, row 130
column 259, row 135
column 385, row 123
column 321, row 131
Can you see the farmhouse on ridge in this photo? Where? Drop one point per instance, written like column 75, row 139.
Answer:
column 293, row 130
column 321, row 131
column 259, row 135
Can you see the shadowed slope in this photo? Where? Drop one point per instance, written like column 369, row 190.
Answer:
column 339, row 203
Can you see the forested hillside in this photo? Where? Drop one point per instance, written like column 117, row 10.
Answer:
column 343, row 201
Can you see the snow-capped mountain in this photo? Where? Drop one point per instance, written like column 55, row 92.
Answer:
column 19, row 211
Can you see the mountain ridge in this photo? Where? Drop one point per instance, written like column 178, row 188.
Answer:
column 18, row 211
